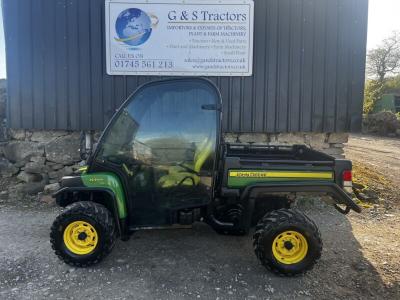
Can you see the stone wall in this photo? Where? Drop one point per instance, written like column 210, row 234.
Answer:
column 39, row 159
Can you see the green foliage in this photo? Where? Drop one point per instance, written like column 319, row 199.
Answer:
column 374, row 90
column 398, row 116
column 382, row 62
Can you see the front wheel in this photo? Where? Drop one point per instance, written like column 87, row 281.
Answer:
column 83, row 234
column 287, row 242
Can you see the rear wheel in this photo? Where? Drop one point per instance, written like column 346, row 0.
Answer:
column 287, row 242
column 83, row 234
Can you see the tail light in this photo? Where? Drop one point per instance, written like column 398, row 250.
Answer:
column 347, row 178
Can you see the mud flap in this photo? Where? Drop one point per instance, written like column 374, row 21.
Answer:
column 341, row 210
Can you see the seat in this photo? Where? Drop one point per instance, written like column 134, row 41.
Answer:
column 187, row 173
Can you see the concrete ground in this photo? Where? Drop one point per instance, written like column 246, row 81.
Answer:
column 359, row 261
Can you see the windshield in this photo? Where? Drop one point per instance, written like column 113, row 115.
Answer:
column 163, row 124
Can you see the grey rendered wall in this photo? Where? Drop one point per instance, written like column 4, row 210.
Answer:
column 308, row 67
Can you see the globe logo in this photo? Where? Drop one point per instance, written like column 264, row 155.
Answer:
column 134, row 26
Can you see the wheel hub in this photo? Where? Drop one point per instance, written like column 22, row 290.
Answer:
column 80, row 237
column 290, row 247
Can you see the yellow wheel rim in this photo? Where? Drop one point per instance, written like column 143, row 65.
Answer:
column 290, row 247
column 80, row 237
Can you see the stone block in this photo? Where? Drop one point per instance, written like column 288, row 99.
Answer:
column 288, row 139
column 255, row 138
column 231, row 138
column 31, row 188
column 17, row 151
column 317, row 141
column 29, row 178
column 4, row 195
column 17, row 134
column 49, row 200
column 338, row 138
column 68, row 170
column 38, row 159
column 20, row 164
column 57, row 175
column 47, row 136
column 57, row 167
column 64, row 150
column 7, row 169
column 53, row 175
column 35, row 168
column 51, row 188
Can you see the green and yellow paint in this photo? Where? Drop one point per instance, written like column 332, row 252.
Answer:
column 243, row 178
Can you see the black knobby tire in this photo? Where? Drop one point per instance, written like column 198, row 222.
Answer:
column 271, row 226
column 99, row 217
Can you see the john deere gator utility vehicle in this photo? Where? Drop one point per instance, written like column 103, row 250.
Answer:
column 161, row 161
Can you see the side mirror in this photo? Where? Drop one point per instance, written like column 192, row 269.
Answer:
column 86, row 146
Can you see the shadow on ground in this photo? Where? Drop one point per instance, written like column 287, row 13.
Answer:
column 175, row 264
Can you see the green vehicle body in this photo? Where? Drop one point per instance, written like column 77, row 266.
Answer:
column 111, row 182
column 221, row 184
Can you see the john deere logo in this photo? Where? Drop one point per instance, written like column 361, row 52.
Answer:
column 134, row 26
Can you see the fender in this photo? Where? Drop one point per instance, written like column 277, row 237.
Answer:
column 251, row 192
column 330, row 188
column 97, row 182
column 103, row 181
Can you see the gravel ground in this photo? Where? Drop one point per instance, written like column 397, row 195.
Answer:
column 360, row 260
column 198, row 263
column 380, row 153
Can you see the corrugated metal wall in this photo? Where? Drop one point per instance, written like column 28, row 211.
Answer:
column 309, row 58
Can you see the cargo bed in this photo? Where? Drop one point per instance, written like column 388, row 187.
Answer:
column 274, row 169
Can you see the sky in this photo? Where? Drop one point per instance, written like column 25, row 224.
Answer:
column 383, row 19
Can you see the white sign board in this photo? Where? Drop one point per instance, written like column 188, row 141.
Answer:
column 181, row 38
